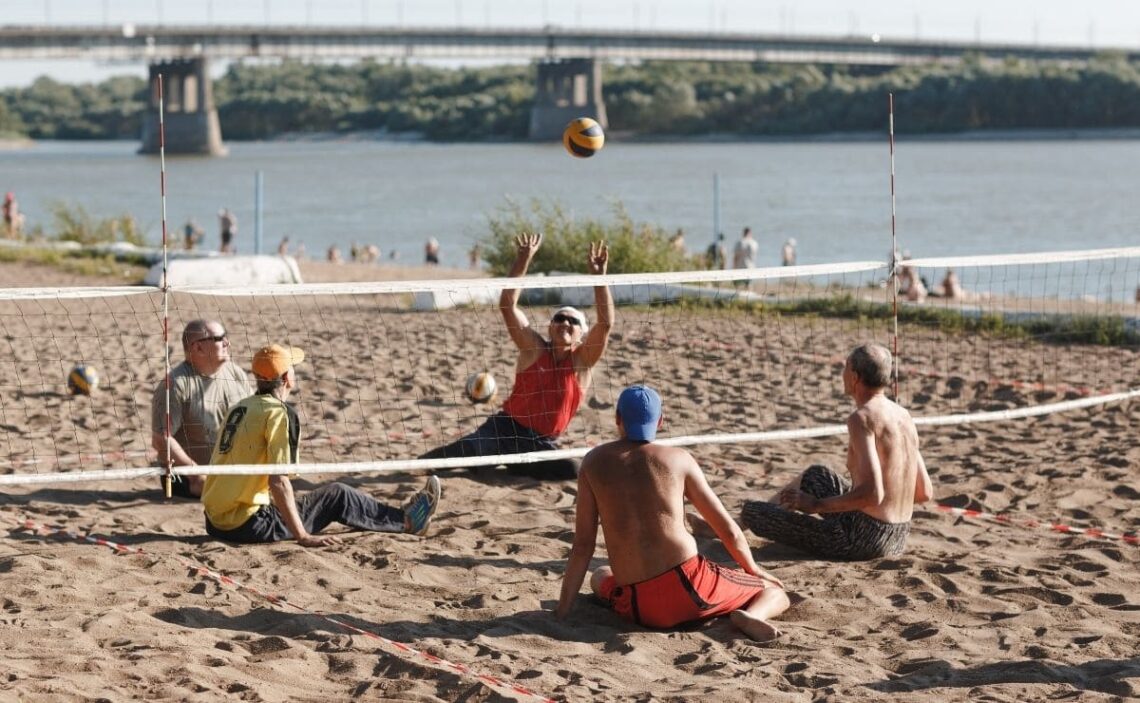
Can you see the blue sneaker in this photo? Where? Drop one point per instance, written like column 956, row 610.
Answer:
column 420, row 507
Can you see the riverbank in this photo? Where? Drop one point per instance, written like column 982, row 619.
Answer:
column 632, row 137
column 35, row 274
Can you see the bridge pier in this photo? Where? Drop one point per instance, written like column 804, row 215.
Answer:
column 191, row 118
column 566, row 89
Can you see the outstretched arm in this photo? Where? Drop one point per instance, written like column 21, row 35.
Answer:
column 518, row 327
column 867, row 489
column 594, row 346
column 706, row 502
column 281, row 491
column 585, row 539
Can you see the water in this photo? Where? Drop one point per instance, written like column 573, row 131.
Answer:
column 834, row 198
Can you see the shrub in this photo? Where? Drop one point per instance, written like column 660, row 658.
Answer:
column 634, row 247
column 72, row 223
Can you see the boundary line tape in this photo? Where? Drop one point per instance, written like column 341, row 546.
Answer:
column 1006, row 519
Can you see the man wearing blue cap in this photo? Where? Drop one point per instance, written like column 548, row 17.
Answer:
column 637, row 489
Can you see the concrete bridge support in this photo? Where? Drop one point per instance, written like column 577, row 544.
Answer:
column 566, row 89
column 190, row 115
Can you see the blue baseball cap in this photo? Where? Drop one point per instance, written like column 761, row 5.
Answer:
column 639, row 408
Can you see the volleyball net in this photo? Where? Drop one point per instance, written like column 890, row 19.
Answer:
column 742, row 357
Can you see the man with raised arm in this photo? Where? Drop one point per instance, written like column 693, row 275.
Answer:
column 656, row 577
column 202, row 389
column 265, row 429
column 551, row 376
column 868, row 516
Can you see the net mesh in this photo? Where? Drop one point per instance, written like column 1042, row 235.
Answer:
column 755, row 355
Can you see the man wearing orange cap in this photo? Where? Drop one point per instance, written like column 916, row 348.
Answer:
column 264, row 429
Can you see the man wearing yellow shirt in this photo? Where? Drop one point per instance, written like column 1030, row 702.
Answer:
column 264, row 429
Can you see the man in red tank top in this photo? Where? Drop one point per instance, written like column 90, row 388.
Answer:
column 551, row 375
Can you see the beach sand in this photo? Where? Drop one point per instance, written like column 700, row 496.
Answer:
column 975, row 610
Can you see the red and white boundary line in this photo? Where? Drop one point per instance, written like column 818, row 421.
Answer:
column 1093, row 532
column 203, row 571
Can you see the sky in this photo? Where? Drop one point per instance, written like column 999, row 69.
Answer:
column 1085, row 23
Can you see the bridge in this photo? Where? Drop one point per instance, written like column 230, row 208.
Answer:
column 568, row 76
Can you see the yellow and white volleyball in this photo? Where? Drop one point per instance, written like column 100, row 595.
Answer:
column 82, row 380
column 583, row 137
column 480, row 387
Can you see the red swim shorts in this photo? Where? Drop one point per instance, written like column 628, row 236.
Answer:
column 694, row 590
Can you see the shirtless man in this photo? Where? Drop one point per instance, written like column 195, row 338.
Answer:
column 551, row 376
column 868, row 516
column 656, row 578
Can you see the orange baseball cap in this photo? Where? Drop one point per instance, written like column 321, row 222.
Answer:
column 273, row 361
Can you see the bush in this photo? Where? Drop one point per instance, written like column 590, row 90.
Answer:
column 72, row 223
column 634, row 247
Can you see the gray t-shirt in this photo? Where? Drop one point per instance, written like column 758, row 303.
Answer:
column 198, row 406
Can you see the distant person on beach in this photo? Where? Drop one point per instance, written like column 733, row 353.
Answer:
column 715, row 256
column 911, row 286
column 283, row 247
column 191, row 235
column 431, row 252
column 788, row 252
column 202, row 389
column 950, row 287
column 227, row 221
column 869, row 515
column 475, row 255
column 333, row 255
column 265, row 429
column 13, row 218
column 656, row 578
column 744, row 253
column 551, row 376
column 677, row 241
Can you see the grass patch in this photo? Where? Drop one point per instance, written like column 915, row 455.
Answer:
column 76, row 262
column 1047, row 328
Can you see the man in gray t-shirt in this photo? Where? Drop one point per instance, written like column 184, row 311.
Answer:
column 202, row 388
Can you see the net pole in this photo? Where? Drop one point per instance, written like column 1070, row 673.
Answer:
column 892, row 278
column 167, row 477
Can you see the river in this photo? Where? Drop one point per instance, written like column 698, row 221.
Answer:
column 953, row 197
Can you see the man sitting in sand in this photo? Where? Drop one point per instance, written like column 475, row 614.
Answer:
column 868, row 516
column 551, row 377
column 264, row 429
column 202, row 389
column 655, row 577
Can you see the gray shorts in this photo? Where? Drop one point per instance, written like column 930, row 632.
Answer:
column 850, row 536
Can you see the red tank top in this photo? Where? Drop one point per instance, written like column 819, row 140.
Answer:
column 545, row 395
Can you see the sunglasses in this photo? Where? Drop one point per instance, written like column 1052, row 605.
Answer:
column 213, row 338
column 560, row 317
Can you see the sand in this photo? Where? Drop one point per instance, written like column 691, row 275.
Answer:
column 975, row 610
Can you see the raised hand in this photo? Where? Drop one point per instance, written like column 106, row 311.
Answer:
column 528, row 243
column 599, row 258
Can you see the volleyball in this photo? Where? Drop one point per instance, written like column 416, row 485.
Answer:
column 480, row 387
column 82, row 380
column 583, row 137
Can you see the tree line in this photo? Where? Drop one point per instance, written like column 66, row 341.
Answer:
column 657, row 99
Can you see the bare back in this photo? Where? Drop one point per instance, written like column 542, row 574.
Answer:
column 640, row 493
column 883, row 436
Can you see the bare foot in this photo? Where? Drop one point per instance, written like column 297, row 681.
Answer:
column 757, row 629
column 700, row 526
